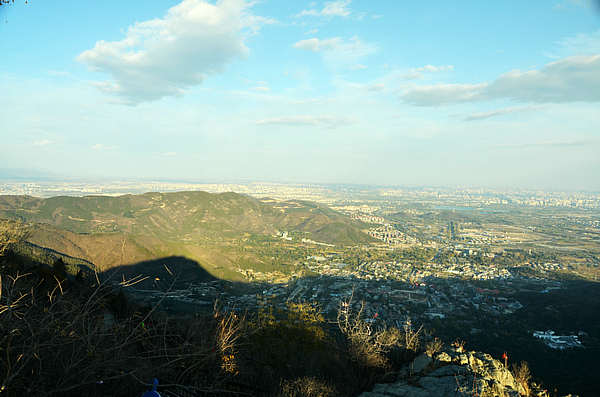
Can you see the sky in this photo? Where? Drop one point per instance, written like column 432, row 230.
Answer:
column 492, row 94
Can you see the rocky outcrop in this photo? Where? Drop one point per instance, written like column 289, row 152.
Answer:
column 451, row 373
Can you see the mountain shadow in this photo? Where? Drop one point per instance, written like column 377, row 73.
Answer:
column 163, row 274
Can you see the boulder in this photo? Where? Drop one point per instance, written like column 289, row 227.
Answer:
column 420, row 364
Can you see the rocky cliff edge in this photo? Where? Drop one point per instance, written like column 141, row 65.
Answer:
column 453, row 373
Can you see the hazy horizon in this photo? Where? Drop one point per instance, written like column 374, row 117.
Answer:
column 461, row 94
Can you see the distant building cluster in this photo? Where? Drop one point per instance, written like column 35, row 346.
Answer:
column 559, row 342
column 390, row 235
column 326, row 194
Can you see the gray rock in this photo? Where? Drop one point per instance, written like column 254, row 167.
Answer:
column 444, row 386
column 419, row 364
column 449, row 370
column 452, row 374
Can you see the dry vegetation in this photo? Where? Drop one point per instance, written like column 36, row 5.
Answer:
column 61, row 335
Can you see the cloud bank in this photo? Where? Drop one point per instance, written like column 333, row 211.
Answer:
column 165, row 57
column 573, row 79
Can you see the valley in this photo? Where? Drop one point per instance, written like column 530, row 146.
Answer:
column 487, row 274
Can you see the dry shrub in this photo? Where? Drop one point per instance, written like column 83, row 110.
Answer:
column 433, row 346
column 287, row 343
column 366, row 344
column 62, row 339
column 308, row 387
column 522, row 375
column 459, row 345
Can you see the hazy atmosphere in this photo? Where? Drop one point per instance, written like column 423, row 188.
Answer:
column 469, row 93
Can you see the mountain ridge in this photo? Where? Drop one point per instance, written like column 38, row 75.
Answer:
column 204, row 227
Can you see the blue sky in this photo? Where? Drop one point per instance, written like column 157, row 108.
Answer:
column 461, row 93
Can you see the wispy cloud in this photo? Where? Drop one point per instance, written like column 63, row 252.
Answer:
column 338, row 52
column 442, row 94
column 573, row 79
column 43, row 142
column 304, row 120
column 499, row 112
column 581, row 43
column 165, row 57
column 316, row 45
column 331, row 9
column 419, row 73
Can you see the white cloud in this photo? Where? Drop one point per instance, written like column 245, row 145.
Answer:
column 311, row 32
column 330, row 10
column 500, row 112
column 336, row 8
column 442, row 94
column 573, row 79
column 43, row 142
column 299, row 120
column 100, row 146
column 418, row 73
column 338, row 52
column 433, row 69
column 316, row 45
column 357, row 67
column 165, row 57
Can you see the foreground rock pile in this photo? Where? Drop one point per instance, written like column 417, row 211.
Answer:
column 452, row 373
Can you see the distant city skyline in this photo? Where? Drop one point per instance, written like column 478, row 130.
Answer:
column 493, row 95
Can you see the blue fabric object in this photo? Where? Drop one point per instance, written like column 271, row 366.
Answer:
column 152, row 390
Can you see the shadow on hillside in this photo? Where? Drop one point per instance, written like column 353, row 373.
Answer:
column 170, row 273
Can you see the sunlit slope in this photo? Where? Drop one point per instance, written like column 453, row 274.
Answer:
column 218, row 232
column 104, row 252
column 185, row 216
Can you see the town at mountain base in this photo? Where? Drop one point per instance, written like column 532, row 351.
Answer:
column 456, row 373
